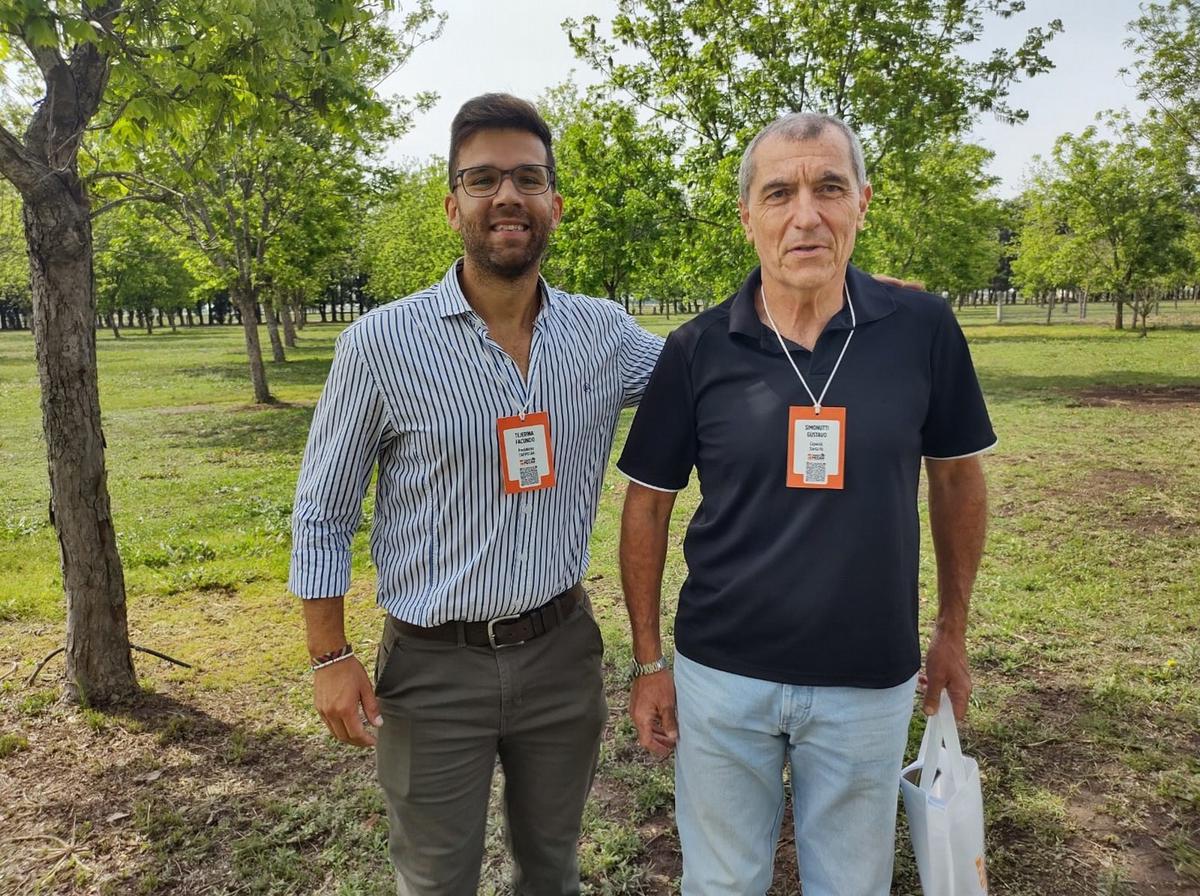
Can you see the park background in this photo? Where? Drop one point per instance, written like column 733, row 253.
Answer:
column 245, row 165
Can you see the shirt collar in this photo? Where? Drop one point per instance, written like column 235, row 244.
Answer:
column 451, row 300
column 872, row 300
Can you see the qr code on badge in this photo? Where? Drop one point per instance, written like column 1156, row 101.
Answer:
column 529, row 476
column 814, row 472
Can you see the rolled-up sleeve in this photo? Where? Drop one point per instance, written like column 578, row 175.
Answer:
column 343, row 443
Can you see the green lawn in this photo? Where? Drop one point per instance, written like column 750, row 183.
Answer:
column 1085, row 637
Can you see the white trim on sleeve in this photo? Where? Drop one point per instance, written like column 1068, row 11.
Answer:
column 986, row 450
column 657, row 488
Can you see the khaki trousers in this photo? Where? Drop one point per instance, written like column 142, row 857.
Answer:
column 448, row 713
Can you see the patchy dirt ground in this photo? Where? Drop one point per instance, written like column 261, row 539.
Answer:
column 1140, row 396
column 199, row 794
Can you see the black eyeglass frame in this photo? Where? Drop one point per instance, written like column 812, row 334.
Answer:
column 509, row 172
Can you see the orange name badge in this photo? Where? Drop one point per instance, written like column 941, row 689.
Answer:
column 816, row 448
column 526, row 455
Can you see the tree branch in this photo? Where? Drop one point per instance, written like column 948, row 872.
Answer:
column 17, row 165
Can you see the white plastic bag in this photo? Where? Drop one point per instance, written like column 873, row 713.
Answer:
column 945, row 811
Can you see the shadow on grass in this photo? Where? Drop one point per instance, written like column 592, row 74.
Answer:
column 264, row 429
column 302, row 372
column 162, row 797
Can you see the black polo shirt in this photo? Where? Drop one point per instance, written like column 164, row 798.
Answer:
column 806, row 586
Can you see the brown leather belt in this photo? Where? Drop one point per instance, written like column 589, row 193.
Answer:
column 503, row 631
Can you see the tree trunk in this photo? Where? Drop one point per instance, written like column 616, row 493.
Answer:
column 289, row 328
column 112, row 325
column 59, row 235
column 244, row 303
column 271, row 316
column 1120, row 322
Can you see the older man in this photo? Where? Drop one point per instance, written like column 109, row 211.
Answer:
column 806, row 403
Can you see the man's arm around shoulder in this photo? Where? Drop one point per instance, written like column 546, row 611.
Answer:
column 958, row 519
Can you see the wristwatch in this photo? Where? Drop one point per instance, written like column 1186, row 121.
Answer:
column 658, row 665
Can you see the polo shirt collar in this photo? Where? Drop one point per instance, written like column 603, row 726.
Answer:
column 872, row 300
column 451, row 300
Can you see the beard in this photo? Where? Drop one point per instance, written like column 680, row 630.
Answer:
column 511, row 263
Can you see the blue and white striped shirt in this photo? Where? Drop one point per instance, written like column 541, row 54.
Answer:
column 418, row 386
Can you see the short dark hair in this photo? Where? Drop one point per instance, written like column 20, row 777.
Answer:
column 494, row 111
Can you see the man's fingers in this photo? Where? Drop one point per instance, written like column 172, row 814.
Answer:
column 338, row 691
column 371, row 706
column 896, row 281
column 355, row 732
column 670, row 724
column 932, row 699
column 335, row 726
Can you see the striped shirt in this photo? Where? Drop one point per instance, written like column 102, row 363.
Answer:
column 418, row 386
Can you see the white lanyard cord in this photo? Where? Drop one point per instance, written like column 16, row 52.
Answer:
column 816, row 400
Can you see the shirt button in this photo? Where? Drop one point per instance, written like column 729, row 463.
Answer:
column 520, row 558
column 526, row 509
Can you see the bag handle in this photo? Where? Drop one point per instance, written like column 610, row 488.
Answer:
column 940, row 728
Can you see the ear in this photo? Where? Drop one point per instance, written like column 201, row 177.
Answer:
column 451, row 204
column 744, row 214
column 556, row 210
column 864, row 200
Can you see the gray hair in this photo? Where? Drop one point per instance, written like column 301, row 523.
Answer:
column 801, row 126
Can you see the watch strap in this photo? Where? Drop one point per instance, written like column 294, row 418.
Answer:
column 658, row 665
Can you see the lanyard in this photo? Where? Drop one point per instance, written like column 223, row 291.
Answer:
column 816, row 400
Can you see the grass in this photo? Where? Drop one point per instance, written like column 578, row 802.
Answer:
column 1084, row 637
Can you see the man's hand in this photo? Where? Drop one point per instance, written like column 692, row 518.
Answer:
column 946, row 667
column 338, row 691
column 652, row 706
column 903, row 284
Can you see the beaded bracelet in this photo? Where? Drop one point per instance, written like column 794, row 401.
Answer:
column 334, row 656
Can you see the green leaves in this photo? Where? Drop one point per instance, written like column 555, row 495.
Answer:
column 711, row 73
column 1102, row 215
column 621, row 196
column 407, row 243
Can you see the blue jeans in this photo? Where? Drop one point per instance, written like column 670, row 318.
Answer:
column 845, row 747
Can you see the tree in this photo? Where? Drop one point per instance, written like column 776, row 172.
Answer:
column 621, row 197
column 407, row 243
column 140, row 267
column 1166, row 39
column 715, row 71
column 1104, row 215
column 169, row 64
column 937, row 223
column 236, row 189
column 15, row 300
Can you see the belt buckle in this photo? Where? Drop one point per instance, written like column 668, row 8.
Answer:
column 491, row 631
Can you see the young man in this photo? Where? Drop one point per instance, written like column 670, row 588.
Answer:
column 489, row 403
column 805, row 403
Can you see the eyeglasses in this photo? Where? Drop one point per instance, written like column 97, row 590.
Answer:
column 484, row 180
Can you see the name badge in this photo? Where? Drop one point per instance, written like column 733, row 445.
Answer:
column 816, row 447
column 526, row 455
